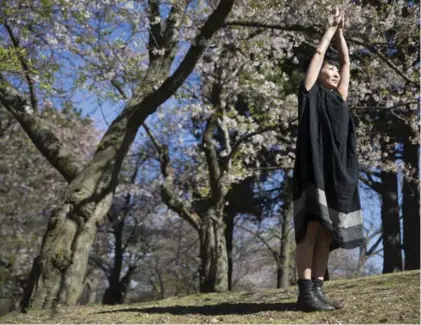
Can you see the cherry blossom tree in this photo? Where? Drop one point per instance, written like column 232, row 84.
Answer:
column 259, row 68
column 84, row 28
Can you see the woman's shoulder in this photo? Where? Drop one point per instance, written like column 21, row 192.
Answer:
column 303, row 90
column 338, row 96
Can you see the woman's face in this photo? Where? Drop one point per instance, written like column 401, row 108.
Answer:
column 329, row 76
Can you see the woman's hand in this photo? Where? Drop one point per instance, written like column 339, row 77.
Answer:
column 342, row 22
column 335, row 17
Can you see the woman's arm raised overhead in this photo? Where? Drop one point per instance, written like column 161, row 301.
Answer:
column 344, row 60
column 317, row 60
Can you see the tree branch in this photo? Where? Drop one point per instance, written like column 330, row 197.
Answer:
column 39, row 132
column 367, row 45
column 153, row 100
column 100, row 264
column 155, row 37
column 264, row 241
column 212, row 158
column 371, row 182
column 292, row 28
column 120, row 89
column 168, row 193
column 207, row 144
column 375, row 245
column 25, row 67
column 245, row 137
column 317, row 30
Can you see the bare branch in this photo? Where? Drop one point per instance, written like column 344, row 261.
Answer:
column 375, row 245
column 371, row 182
column 265, row 243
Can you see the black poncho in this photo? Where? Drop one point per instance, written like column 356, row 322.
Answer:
column 325, row 181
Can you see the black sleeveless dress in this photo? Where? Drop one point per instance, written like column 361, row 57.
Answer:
column 325, row 180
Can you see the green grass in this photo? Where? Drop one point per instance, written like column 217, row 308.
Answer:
column 390, row 298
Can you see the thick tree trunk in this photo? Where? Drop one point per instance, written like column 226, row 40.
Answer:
column 392, row 255
column 213, row 254
column 229, row 230
column 411, row 209
column 59, row 272
column 285, row 254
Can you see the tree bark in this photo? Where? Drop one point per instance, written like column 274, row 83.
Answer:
column 229, row 232
column 213, row 254
column 114, row 294
column 117, row 289
column 73, row 225
column 411, row 209
column 285, row 254
column 392, row 255
column 38, row 131
column 327, row 275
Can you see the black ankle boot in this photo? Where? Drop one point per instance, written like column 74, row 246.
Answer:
column 318, row 292
column 307, row 300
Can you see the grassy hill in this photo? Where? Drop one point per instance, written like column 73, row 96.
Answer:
column 391, row 298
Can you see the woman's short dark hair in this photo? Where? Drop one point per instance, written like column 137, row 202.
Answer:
column 329, row 59
column 331, row 62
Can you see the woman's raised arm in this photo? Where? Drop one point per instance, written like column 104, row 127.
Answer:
column 318, row 57
column 344, row 70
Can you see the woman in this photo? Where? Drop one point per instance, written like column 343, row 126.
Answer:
column 327, row 212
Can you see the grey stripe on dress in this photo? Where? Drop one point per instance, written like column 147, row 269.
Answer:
column 314, row 200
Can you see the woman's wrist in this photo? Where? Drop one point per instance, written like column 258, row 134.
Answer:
column 332, row 29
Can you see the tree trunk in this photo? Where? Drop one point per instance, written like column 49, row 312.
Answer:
column 113, row 294
column 411, row 209
column 327, row 275
column 59, row 272
column 362, row 258
column 229, row 230
column 285, row 254
column 88, row 296
column 392, row 255
column 117, row 290
column 213, row 253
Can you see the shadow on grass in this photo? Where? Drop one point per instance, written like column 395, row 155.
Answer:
column 220, row 309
